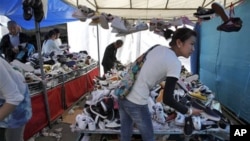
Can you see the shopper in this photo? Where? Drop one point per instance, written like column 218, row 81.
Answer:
column 58, row 41
column 109, row 57
column 49, row 44
column 15, row 105
column 161, row 63
column 10, row 43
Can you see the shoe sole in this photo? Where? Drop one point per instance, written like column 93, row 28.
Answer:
column 219, row 10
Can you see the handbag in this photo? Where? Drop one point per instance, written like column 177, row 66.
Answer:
column 127, row 82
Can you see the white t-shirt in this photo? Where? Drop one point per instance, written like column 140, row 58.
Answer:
column 50, row 46
column 12, row 84
column 161, row 62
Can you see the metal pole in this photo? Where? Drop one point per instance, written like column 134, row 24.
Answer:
column 98, row 47
column 44, row 91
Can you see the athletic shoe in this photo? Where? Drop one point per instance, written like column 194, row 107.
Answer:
column 208, row 113
column 204, row 12
column 223, row 122
column 196, row 122
column 79, row 15
column 27, row 10
column 175, row 22
column 115, row 124
column 189, row 126
column 119, row 24
column 187, row 21
column 24, row 67
column 180, row 119
column 198, row 95
column 220, row 11
column 103, row 21
column 232, row 25
column 95, row 20
column 38, row 10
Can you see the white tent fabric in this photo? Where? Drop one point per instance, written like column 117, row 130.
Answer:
column 148, row 9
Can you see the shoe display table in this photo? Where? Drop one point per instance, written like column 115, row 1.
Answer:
column 219, row 134
column 61, row 97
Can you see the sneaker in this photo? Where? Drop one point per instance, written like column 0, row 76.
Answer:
column 219, row 10
column 113, row 124
column 204, row 12
column 24, row 67
column 38, row 10
column 103, row 21
column 180, row 119
column 27, row 10
column 223, row 122
column 198, row 95
column 79, row 15
column 119, row 24
column 196, row 122
column 176, row 22
column 189, row 126
column 95, row 20
column 232, row 25
column 187, row 21
column 87, row 12
column 139, row 27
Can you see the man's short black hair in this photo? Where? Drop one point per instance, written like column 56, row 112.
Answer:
column 11, row 23
column 119, row 42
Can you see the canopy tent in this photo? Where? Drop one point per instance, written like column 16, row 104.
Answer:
column 148, row 9
column 58, row 13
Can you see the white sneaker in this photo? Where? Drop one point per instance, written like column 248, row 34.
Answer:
column 180, row 119
column 104, row 22
column 79, row 15
column 24, row 67
column 119, row 24
column 196, row 122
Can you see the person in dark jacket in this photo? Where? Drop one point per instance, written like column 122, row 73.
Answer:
column 109, row 57
column 13, row 42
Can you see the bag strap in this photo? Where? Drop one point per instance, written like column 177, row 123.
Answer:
column 142, row 58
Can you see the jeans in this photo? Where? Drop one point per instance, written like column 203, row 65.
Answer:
column 12, row 134
column 139, row 115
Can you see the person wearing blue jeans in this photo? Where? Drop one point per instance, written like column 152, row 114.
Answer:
column 162, row 63
column 131, row 113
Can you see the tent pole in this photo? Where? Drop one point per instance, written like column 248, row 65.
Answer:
column 98, row 49
column 44, row 89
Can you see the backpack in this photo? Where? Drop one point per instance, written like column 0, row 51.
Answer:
column 127, row 82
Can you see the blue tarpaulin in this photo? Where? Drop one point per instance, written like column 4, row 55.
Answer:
column 58, row 13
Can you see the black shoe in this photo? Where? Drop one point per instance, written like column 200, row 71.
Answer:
column 27, row 10
column 189, row 126
column 38, row 10
column 232, row 25
column 204, row 13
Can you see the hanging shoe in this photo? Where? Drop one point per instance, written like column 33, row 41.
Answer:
column 232, row 25
column 220, row 11
column 27, row 10
column 204, row 12
column 38, row 10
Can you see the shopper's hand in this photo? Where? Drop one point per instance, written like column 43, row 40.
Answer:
column 15, row 49
column 196, row 111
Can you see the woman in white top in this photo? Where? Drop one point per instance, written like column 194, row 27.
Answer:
column 161, row 64
column 49, row 44
column 15, row 103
